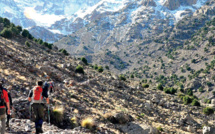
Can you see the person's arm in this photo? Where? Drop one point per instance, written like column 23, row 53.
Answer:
column 10, row 99
column 7, row 101
column 47, row 100
column 30, row 95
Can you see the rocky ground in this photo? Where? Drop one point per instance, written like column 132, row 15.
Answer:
column 115, row 106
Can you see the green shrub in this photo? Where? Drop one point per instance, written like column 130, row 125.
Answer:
column 122, row 77
column 64, row 52
column 160, row 129
column 100, row 69
column 14, row 30
column 132, row 76
column 201, row 89
column 6, row 33
column 145, row 85
column 187, row 100
column 84, row 60
column 181, row 96
column 25, row 33
column 170, row 90
column 6, row 22
column 40, row 41
column 19, row 28
column 160, row 87
column 195, row 103
column 208, row 110
column 27, row 44
column 95, row 66
column 208, row 101
column 79, row 69
column 50, row 46
column 107, row 67
column 189, row 92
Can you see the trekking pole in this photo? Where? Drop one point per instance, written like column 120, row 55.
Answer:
column 48, row 115
column 30, row 110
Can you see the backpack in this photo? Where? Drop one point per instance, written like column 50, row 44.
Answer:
column 1, row 98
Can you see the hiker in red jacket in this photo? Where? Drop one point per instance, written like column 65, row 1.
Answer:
column 36, row 97
column 3, row 99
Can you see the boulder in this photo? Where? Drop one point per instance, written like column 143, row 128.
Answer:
column 208, row 130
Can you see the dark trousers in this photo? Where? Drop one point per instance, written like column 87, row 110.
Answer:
column 8, row 117
column 38, row 110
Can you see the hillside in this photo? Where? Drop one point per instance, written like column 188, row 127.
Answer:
column 115, row 104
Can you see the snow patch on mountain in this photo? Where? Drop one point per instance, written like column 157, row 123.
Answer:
column 41, row 19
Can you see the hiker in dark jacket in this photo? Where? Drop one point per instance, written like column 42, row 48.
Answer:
column 35, row 97
column 11, row 105
column 3, row 99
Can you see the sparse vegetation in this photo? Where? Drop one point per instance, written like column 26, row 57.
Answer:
column 79, row 69
column 27, row 44
column 208, row 110
column 83, row 59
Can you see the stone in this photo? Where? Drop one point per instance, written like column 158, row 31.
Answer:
column 208, row 130
column 190, row 129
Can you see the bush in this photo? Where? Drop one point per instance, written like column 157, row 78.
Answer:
column 27, row 44
column 187, row 100
column 160, row 129
column 132, row 76
column 79, row 69
column 64, row 52
column 145, row 85
column 95, row 66
column 170, row 90
column 160, row 87
column 208, row 110
column 208, row 101
column 40, row 41
column 189, row 92
column 100, row 69
column 122, row 77
column 25, row 33
column 6, row 33
column 19, row 28
column 88, row 123
column 84, row 60
column 6, row 22
column 195, row 103
column 107, row 67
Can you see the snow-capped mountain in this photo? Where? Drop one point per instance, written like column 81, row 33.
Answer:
column 68, row 16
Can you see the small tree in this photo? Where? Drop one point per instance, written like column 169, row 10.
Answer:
column 160, row 87
column 19, row 28
column 6, row 33
column 107, row 67
column 132, row 76
column 83, row 59
column 122, row 77
column 79, row 69
column 27, row 44
column 95, row 66
column 145, row 85
column 186, row 100
column 195, row 103
column 64, row 52
column 100, row 69
column 25, row 33
column 6, row 22
column 208, row 110
column 189, row 92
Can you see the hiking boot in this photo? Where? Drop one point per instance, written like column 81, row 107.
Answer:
column 7, row 124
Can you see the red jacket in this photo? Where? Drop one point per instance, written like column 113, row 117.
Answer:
column 5, row 97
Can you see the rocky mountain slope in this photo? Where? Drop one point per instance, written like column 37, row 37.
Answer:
column 116, row 106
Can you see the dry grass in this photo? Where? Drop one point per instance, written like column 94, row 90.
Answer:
column 88, row 123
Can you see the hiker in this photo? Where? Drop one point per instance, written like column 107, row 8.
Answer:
column 48, row 88
column 3, row 99
column 11, row 105
column 35, row 97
